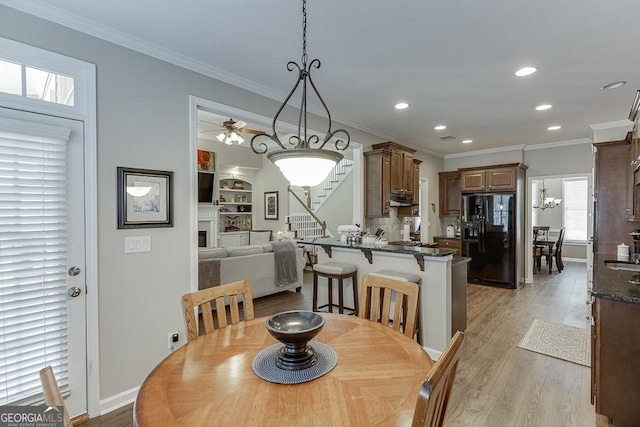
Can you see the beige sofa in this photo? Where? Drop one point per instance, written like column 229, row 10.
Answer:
column 256, row 263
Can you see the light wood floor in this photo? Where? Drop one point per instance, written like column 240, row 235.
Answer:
column 498, row 384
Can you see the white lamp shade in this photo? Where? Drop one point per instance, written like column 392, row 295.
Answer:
column 305, row 167
column 221, row 137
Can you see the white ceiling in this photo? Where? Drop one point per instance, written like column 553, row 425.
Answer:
column 453, row 61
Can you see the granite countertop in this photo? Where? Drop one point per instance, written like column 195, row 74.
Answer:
column 613, row 284
column 447, row 237
column 410, row 250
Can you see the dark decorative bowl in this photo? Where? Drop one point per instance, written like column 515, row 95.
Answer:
column 295, row 329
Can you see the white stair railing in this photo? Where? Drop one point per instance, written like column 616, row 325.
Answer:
column 320, row 193
column 305, row 226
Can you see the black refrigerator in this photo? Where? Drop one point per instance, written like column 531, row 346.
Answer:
column 489, row 238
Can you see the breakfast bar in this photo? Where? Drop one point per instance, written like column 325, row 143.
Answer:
column 443, row 281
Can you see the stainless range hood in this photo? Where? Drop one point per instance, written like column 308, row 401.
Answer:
column 396, row 200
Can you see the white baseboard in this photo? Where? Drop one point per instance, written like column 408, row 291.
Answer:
column 582, row 260
column 118, row 401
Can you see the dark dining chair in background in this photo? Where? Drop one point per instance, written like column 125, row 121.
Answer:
column 557, row 250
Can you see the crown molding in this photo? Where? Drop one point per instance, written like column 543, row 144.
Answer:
column 522, row 147
column 557, row 144
column 624, row 123
column 487, row 151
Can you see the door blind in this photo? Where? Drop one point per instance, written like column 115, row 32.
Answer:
column 33, row 258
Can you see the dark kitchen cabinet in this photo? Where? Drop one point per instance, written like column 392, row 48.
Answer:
column 390, row 169
column 449, row 243
column 612, row 204
column 615, row 349
column 405, row 211
column 449, row 193
column 377, row 183
column 402, row 168
column 495, row 178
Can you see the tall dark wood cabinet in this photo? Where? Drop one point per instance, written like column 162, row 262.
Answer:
column 402, row 168
column 390, row 169
column 612, row 204
column 449, row 193
column 377, row 183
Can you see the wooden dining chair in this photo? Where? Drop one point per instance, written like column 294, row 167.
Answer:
column 557, row 251
column 433, row 397
column 540, row 250
column 52, row 395
column 203, row 299
column 375, row 303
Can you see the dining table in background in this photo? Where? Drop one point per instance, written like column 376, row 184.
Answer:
column 210, row 381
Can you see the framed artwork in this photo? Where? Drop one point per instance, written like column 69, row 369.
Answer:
column 145, row 198
column 206, row 161
column 271, row 205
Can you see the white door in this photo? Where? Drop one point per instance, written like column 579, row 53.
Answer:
column 59, row 260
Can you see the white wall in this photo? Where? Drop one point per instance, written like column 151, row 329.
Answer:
column 339, row 210
column 429, row 169
column 269, row 178
column 484, row 158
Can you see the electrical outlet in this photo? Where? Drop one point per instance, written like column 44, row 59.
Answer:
column 172, row 339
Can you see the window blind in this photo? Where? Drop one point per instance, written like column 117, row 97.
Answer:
column 33, row 247
column 575, row 197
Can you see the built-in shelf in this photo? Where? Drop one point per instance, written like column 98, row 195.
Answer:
column 236, row 209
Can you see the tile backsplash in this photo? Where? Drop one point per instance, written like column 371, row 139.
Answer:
column 392, row 226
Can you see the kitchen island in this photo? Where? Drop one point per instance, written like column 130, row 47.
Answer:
column 443, row 284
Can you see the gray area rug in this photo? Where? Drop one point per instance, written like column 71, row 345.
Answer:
column 559, row 341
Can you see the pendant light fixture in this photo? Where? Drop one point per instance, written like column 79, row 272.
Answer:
column 544, row 201
column 302, row 159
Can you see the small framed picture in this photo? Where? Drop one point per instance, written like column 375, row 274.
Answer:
column 206, row 161
column 271, row 205
column 145, row 198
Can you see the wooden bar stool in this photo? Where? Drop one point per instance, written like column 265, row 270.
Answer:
column 406, row 277
column 335, row 270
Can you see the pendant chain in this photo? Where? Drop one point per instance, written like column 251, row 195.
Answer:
column 304, row 33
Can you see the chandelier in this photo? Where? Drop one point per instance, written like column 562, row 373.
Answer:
column 230, row 137
column 544, row 201
column 302, row 159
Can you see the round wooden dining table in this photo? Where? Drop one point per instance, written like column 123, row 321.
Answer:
column 210, row 381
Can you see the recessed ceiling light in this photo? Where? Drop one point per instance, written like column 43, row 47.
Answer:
column 467, row 141
column 440, row 127
column 543, row 107
column 556, row 127
column 526, row 71
column 401, row 105
column 614, row 85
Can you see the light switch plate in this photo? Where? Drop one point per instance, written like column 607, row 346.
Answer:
column 137, row 244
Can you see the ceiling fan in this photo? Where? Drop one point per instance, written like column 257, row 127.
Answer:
column 231, row 130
